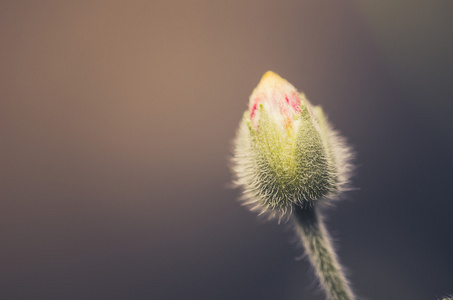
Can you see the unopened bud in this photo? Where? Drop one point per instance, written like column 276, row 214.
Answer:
column 286, row 153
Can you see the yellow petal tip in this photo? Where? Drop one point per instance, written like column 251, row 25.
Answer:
column 269, row 75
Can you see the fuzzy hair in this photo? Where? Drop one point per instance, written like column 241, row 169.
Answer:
column 276, row 171
column 310, row 230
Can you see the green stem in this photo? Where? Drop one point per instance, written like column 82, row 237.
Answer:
column 310, row 228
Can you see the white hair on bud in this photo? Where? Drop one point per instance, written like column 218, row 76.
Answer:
column 275, row 174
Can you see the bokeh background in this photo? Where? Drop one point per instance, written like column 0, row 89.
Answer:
column 116, row 122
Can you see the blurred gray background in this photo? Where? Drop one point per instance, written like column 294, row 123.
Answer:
column 116, row 122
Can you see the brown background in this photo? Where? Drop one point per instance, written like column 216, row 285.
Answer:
column 116, row 121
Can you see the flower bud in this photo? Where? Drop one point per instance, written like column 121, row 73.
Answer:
column 285, row 152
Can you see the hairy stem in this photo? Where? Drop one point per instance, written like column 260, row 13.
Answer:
column 310, row 228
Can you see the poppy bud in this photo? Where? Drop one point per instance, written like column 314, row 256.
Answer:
column 286, row 153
